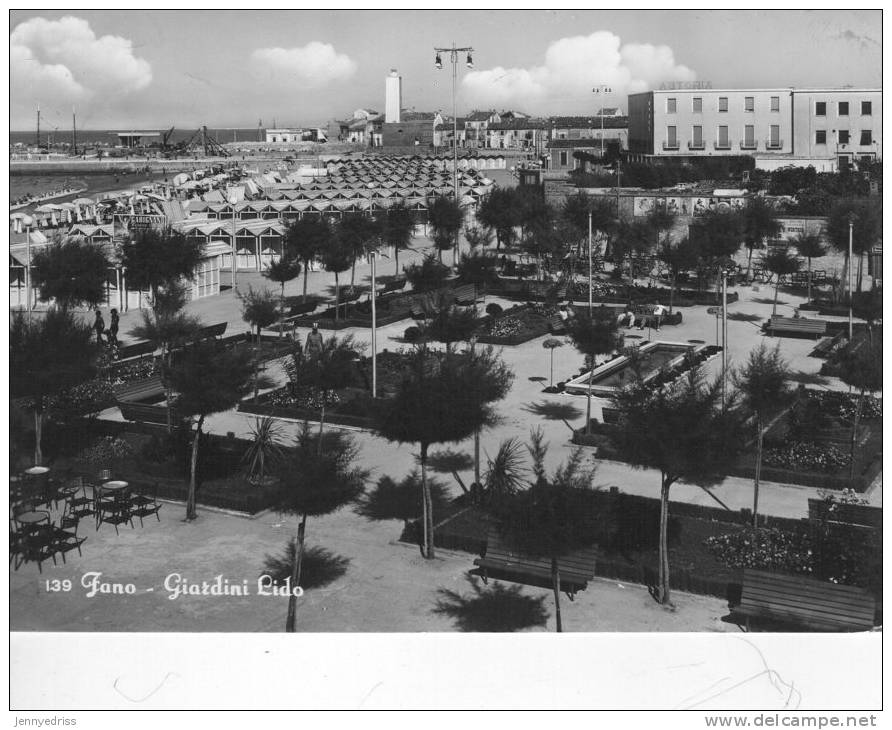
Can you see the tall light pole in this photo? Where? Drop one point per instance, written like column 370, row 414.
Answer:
column 724, row 332
column 602, row 90
column 374, row 255
column 453, row 52
column 851, row 268
column 28, row 221
column 589, row 264
column 232, row 201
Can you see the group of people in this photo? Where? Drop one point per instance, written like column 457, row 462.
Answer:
column 111, row 333
column 656, row 318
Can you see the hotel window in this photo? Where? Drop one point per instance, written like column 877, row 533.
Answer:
column 821, row 136
column 843, row 108
column 749, row 104
column 671, row 138
column 563, row 159
column 671, row 104
column 820, row 108
column 866, row 108
column 723, row 142
column 697, row 137
column 843, row 136
column 697, row 105
column 866, row 136
column 774, row 135
column 723, row 103
column 775, row 103
column 749, row 137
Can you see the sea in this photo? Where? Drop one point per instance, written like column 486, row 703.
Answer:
column 108, row 136
column 93, row 183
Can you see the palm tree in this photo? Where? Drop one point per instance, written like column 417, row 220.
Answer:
column 46, row 357
column 265, row 449
column 208, row 380
column 679, row 429
column 811, row 246
column 592, row 336
column 317, row 479
column 259, row 309
column 398, row 226
column 780, row 262
column 762, row 384
column 282, row 271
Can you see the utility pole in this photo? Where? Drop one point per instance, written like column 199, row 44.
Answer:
column 851, row 268
column 74, row 132
column 453, row 52
column 38, row 126
column 374, row 256
column 602, row 90
column 589, row 264
column 724, row 333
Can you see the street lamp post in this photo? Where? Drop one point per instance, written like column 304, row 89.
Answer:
column 602, row 90
column 589, row 264
column 374, row 256
column 28, row 222
column 453, row 52
column 851, row 267
column 233, row 252
column 724, row 332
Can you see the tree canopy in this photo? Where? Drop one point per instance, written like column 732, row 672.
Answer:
column 154, row 258
column 73, row 273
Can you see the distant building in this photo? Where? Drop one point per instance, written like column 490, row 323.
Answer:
column 292, row 135
column 393, row 96
column 518, row 133
column 825, row 128
column 415, row 130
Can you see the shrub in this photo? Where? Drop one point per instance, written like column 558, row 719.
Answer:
column 807, row 456
column 493, row 309
column 105, row 451
column 764, row 548
column 412, row 334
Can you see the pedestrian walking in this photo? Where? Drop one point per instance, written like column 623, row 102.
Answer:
column 314, row 341
column 99, row 326
column 113, row 328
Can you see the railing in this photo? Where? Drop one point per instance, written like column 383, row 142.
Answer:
column 670, row 145
column 696, row 145
column 774, row 144
column 722, row 145
column 748, row 145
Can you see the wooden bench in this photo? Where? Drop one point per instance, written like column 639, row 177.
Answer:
column 392, row 286
column 465, row 294
column 796, row 326
column 556, row 325
column 501, row 562
column 212, row 330
column 828, row 345
column 857, row 515
column 295, row 310
column 140, row 390
column 148, row 413
column 136, row 349
column 776, row 600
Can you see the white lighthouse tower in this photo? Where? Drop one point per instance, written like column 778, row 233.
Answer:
column 393, row 96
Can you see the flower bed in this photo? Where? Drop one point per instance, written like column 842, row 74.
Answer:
column 348, row 407
column 515, row 326
column 806, row 456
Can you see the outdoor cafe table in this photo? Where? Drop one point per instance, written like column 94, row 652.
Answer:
column 32, row 518
column 114, row 486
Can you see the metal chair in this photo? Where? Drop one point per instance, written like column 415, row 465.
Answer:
column 143, row 505
column 65, row 538
column 115, row 511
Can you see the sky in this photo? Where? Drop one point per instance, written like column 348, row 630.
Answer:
column 158, row 68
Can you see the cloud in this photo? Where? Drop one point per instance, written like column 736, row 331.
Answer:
column 63, row 60
column 862, row 40
column 312, row 65
column 571, row 68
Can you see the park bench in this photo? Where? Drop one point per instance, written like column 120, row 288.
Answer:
column 774, row 599
column 212, row 330
column 136, row 349
column 796, row 326
column 556, row 325
column 140, row 390
column 465, row 294
column 828, row 344
column 857, row 515
column 147, row 413
column 300, row 308
column 501, row 562
column 392, row 286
